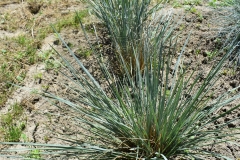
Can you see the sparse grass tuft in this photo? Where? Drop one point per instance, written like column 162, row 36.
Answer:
column 85, row 52
column 11, row 128
column 19, row 52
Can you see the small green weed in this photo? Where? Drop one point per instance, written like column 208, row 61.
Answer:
column 197, row 51
column 218, row 43
column 38, row 76
column 24, row 137
column 192, row 2
column 213, row 3
column 7, row 119
column 13, row 133
column 85, row 52
column 229, row 72
column 10, row 129
column 17, row 110
column 35, row 154
column 193, row 10
column 71, row 20
column 212, row 54
column 46, row 138
column 52, row 64
column 49, row 61
column 176, row 4
column 45, row 55
column 21, row 77
column 80, row 14
column 181, row 27
column 22, row 40
column 222, row 3
column 198, row 26
column 45, row 87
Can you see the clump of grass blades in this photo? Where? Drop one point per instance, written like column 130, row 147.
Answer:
column 231, row 28
column 125, row 20
column 147, row 116
column 236, row 30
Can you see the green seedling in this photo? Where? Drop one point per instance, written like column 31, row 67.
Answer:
column 68, row 21
column 3, row 51
column 6, row 119
column 21, row 77
column 176, row 4
column 11, row 131
column 12, row 134
column 211, row 55
column 218, row 42
column 34, row 91
column 192, row 2
column 22, row 40
column 24, row 137
column 3, row 67
column 213, row 3
column 45, row 87
column 85, row 52
column 197, row 51
column 80, row 14
column 200, row 16
column 198, row 26
column 17, row 109
column 38, row 76
column 46, row 138
column 193, row 10
column 182, row 26
column 45, row 55
column 229, row 72
column 168, row 92
column 19, row 55
column 42, row 34
column 89, row 28
column 52, row 64
column 227, row 3
column 63, row 23
column 35, row 154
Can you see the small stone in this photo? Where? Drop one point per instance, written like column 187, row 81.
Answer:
column 204, row 53
column 232, row 125
column 205, row 61
column 188, row 19
column 227, row 119
column 34, row 7
column 56, row 42
column 64, row 12
column 233, row 83
column 187, row 62
column 187, row 54
column 204, row 29
column 35, row 100
column 205, row 16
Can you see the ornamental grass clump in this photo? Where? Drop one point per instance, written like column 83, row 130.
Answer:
column 230, row 22
column 125, row 20
column 236, row 29
column 162, row 112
